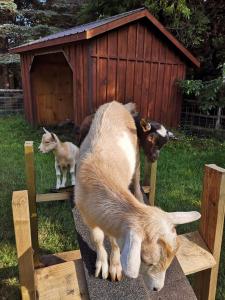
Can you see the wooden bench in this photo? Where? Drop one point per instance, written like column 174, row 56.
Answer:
column 62, row 276
column 199, row 252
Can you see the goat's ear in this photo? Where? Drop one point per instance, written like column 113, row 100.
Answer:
column 45, row 130
column 184, row 217
column 146, row 126
column 53, row 136
column 131, row 254
column 131, row 107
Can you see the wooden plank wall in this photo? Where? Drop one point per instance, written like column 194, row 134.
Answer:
column 26, row 61
column 135, row 63
column 132, row 63
column 52, row 89
column 77, row 55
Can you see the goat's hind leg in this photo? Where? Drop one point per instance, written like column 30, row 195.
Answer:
column 102, row 257
column 115, row 268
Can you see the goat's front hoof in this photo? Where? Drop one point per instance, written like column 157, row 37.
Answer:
column 115, row 271
column 102, row 266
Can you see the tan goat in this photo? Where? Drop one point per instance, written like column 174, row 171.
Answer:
column 106, row 168
column 66, row 156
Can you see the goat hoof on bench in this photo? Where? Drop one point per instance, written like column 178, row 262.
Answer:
column 102, row 267
column 115, row 272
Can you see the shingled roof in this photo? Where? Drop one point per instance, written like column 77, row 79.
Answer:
column 90, row 30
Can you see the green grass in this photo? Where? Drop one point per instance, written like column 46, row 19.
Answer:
column 179, row 186
column 56, row 227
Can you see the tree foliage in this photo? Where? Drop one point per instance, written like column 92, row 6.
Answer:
column 33, row 19
column 8, row 10
column 92, row 10
column 210, row 94
column 175, row 15
column 23, row 21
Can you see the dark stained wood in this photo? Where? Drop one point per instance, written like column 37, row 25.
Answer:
column 181, row 75
column 129, row 95
column 115, row 24
column 26, row 61
column 133, row 62
column 131, row 42
column 102, row 81
column 107, row 27
column 94, row 82
column 145, row 87
column 122, row 42
column 138, row 84
column 140, row 41
column 155, row 49
column 121, row 80
column 25, row 87
column 78, row 82
column 85, row 81
column 152, row 91
column 165, row 116
column 52, row 92
column 111, row 83
column 81, row 82
column 112, row 44
column 159, row 91
column 75, row 70
column 102, row 45
column 50, row 43
column 148, row 45
column 171, row 100
column 170, row 37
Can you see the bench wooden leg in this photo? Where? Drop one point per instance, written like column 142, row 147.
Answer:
column 211, row 228
column 21, row 218
column 31, row 187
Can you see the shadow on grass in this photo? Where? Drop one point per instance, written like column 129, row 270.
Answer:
column 9, row 286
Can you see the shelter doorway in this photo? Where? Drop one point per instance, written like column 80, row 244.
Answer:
column 52, row 89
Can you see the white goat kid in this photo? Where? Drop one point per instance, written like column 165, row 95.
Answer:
column 66, row 156
column 107, row 166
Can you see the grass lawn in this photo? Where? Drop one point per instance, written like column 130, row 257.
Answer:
column 179, row 186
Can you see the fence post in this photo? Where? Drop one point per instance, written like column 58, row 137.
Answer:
column 211, row 228
column 31, row 187
column 21, row 219
column 150, row 170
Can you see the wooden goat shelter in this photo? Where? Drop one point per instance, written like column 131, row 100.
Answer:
column 127, row 57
